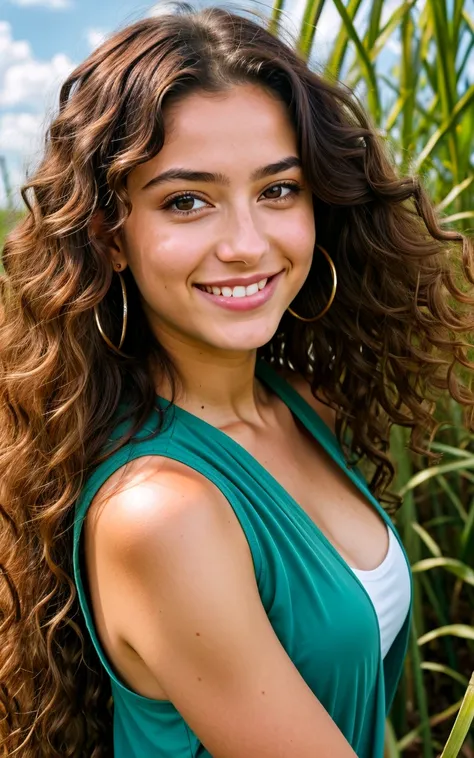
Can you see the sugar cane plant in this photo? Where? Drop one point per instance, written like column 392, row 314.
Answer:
column 412, row 63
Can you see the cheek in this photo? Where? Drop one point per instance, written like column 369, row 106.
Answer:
column 162, row 275
column 159, row 259
column 299, row 237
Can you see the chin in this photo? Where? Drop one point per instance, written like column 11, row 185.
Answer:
column 241, row 340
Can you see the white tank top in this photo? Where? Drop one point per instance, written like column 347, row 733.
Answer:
column 388, row 586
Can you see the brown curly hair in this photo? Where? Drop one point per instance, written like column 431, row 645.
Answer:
column 392, row 341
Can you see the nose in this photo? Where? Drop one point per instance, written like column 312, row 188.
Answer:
column 244, row 239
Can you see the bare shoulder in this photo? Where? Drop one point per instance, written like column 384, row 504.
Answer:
column 303, row 387
column 155, row 499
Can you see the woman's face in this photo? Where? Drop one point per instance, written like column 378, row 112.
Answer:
column 246, row 222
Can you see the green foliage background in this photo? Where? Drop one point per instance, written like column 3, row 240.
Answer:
column 424, row 108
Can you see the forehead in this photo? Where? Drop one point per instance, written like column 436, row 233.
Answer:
column 231, row 132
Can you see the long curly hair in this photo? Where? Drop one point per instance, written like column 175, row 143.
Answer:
column 393, row 340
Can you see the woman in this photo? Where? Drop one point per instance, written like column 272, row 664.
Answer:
column 220, row 300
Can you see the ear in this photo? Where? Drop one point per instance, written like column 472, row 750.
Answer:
column 97, row 229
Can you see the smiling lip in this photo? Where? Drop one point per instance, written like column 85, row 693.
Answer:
column 247, row 303
column 244, row 281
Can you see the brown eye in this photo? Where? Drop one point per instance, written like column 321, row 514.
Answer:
column 276, row 188
column 277, row 194
column 184, row 203
column 187, row 200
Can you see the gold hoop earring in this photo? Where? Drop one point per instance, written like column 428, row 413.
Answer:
column 124, row 321
column 333, row 293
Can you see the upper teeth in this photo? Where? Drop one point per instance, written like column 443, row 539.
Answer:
column 239, row 291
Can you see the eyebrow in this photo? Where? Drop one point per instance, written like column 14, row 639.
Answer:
column 188, row 175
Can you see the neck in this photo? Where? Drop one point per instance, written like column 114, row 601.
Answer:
column 219, row 386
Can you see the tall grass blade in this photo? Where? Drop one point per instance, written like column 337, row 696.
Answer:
column 430, row 543
column 467, row 536
column 438, row 718
column 462, row 724
column 275, row 18
column 439, row 668
column 366, row 63
column 457, row 630
column 391, row 747
column 423, row 476
column 462, row 105
column 459, row 569
column 454, row 193
column 457, row 217
column 336, row 58
column 421, row 695
column 311, row 16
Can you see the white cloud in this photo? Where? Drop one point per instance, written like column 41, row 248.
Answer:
column 25, row 80
column 28, row 90
column 95, row 37
column 53, row 4
column 34, row 80
column 159, row 9
column 11, row 51
column 20, row 132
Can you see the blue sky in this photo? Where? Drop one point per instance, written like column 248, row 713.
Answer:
column 41, row 41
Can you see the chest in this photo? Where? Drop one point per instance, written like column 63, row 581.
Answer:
column 320, row 487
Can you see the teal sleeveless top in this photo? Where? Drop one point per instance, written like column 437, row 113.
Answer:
column 319, row 610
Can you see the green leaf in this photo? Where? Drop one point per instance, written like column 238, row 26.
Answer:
column 396, row 110
column 458, row 568
column 312, row 13
column 467, row 536
column 389, row 28
column 454, row 193
column 466, row 58
column 430, row 543
column 423, row 476
column 463, row 103
column 462, row 724
column 336, row 58
column 275, row 19
column 375, row 15
column 453, row 497
column 456, row 630
column 438, row 718
column 469, row 21
column 457, row 217
column 456, row 452
column 420, row 693
column 372, row 88
column 391, row 747
column 441, row 669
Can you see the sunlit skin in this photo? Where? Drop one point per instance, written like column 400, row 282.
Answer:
column 242, row 227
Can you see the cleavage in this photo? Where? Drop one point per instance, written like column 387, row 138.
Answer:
column 318, row 485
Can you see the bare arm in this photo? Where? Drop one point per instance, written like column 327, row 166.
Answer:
column 189, row 605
